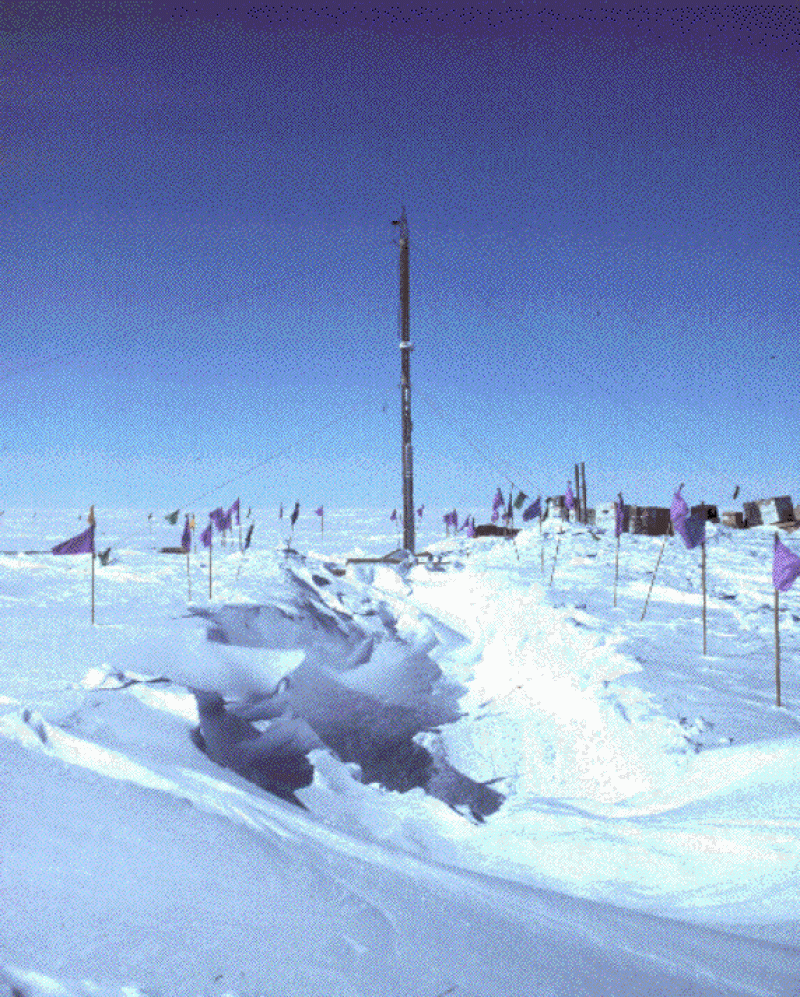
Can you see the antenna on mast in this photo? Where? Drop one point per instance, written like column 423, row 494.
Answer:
column 406, row 346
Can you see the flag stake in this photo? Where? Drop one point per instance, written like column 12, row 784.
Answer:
column 541, row 542
column 92, row 555
column 616, row 572
column 555, row 558
column 652, row 580
column 777, row 655
column 210, row 548
column 704, row 598
column 188, row 575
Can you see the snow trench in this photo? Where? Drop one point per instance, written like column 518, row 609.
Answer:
column 362, row 692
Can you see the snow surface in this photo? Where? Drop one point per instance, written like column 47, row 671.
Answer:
column 648, row 834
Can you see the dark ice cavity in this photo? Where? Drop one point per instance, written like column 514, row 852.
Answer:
column 361, row 692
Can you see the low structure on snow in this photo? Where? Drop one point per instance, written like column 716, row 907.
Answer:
column 768, row 511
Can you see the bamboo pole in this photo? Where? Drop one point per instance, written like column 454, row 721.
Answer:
column 188, row 572
column 577, row 495
column 616, row 573
column 92, row 586
column 703, row 562
column 583, row 476
column 210, row 548
column 541, row 541
column 652, row 580
column 777, row 655
column 555, row 557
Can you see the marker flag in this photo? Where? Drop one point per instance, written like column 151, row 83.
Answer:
column 785, row 567
column 186, row 539
column 569, row 498
column 619, row 517
column 172, row 517
column 295, row 513
column 533, row 510
column 248, row 536
column 205, row 536
column 519, row 501
column 83, row 543
column 691, row 528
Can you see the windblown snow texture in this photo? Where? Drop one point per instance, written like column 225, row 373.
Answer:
column 361, row 692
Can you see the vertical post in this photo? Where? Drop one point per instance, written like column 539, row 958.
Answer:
column 652, row 580
column 92, row 583
column 188, row 573
column 405, row 388
column 616, row 572
column 585, row 509
column 777, row 655
column 704, row 597
column 210, row 548
column 541, row 542
column 578, row 518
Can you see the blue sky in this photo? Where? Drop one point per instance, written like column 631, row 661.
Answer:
column 200, row 276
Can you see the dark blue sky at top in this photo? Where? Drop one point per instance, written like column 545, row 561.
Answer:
column 200, row 276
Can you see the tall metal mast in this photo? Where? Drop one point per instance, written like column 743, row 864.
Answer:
column 405, row 388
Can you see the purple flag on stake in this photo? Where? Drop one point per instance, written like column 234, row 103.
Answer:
column 569, row 498
column 248, row 536
column 785, row 567
column 205, row 536
column 471, row 527
column 691, row 528
column 679, row 509
column 234, row 509
column 619, row 517
column 186, row 539
column 420, row 511
column 498, row 501
column 393, row 517
column 533, row 510
column 83, row 543
column 226, row 520
column 320, row 511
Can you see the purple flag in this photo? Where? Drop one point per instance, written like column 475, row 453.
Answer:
column 226, row 521
column 785, row 566
column 471, row 527
column 497, row 502
column 691, row 528
column 280, row 512
column 186, row 539
column 295, row 514
column 235, row 509
column 679, row 509
column 205, row 536
column 217, row 517
column 83, row 543
column 248, row 536
column 420, row 511
column 619, row 517
column 320, row 511
column 533, row 510
column 569, row 498
column 393, row 517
